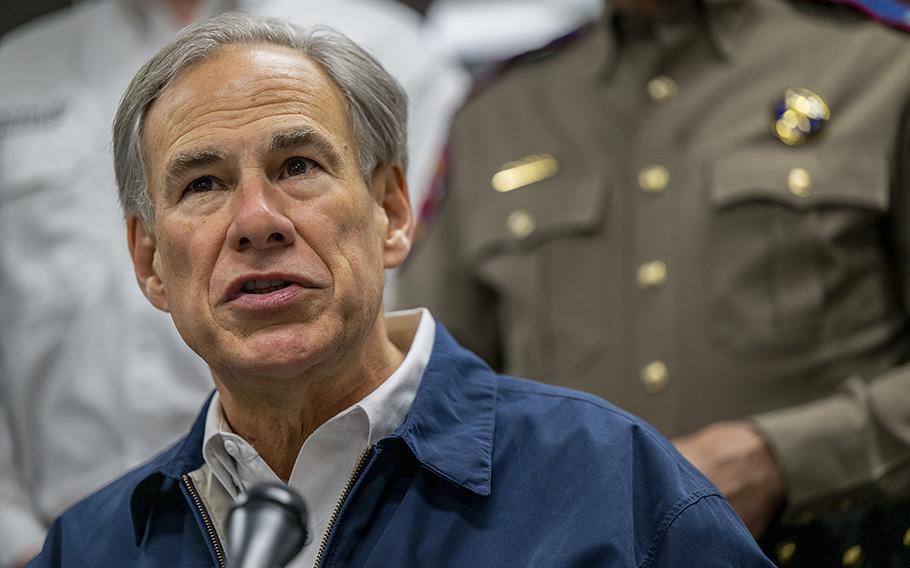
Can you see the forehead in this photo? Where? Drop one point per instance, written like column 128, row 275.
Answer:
column 245, row 89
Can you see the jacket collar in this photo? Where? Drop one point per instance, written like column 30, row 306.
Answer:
column 450, row 426
column 161, row 476
column 449, row 429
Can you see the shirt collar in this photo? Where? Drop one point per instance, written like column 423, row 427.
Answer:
column 231, row 458
column 449, row 429
column 412, row 331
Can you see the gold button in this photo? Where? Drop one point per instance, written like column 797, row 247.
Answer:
column 653, row 179
column 907, row 538
column 784, row 551
column 799, row 182
column 661, row 88
column 521, row 223
column 655, row 377
column 853, row 557
column 652, row 274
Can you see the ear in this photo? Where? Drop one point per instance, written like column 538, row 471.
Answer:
column 144, row 250
column 391, row 188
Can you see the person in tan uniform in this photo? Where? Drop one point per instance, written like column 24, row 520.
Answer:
column 699, row 212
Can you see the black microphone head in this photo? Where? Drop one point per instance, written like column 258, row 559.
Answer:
column 266, row 527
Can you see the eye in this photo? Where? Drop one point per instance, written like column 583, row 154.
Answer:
column 296, row 166
column 201, row 185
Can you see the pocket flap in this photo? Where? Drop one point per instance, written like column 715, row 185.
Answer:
column 571, row 202
column 801, row 180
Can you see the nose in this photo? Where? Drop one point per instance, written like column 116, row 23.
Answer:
column 259, row 220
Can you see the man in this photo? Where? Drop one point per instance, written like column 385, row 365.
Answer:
column 93, row 380
column 698, row 211
column 261, row 169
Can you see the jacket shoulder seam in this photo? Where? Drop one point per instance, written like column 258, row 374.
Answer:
column 678, row 509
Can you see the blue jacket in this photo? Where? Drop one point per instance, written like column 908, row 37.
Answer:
column 486, row 470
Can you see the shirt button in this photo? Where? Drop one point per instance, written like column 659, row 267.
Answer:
column 652, row 274
column 521, row 223
column 653, row 179
column 784, row 552
column 662, row 88
column 853, row 557
column 231, row 447
column 799, row 182
column 655, row 377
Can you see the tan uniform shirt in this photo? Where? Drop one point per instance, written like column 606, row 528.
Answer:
column 684, row 263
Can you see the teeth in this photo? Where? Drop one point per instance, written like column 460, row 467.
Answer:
column 263, row 286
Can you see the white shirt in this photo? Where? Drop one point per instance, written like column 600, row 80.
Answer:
column 329, row 455
column 93, row 380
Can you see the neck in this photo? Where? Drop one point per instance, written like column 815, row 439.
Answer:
column 277, row 416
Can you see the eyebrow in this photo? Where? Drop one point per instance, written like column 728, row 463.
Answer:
column 307, row 137
column 298, row 137
column 188, row 161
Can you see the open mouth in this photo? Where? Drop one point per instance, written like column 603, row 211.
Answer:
column 263, row 286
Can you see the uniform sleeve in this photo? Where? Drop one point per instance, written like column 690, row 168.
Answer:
column 20, row 528
column 437, row 276
column 708, row 534
column 856, row 442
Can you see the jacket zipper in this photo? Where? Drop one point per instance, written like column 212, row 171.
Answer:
column 358, row 469
column 207, row 520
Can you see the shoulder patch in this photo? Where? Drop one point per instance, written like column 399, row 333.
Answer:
column 892, row 13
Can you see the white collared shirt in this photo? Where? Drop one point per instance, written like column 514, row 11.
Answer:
column 330, row 453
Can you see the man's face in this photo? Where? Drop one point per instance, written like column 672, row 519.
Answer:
column 268, row 246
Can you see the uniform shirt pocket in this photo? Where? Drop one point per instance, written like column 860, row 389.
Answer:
column 523, row 245
column 795, row 245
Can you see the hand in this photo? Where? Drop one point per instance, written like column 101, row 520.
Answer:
column 736, row 458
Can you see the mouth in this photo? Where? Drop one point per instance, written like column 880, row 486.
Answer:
column 258, row 288
column 263, row 286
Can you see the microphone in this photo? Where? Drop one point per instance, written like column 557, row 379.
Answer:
column 266, row 527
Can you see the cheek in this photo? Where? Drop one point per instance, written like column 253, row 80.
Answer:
column 186, row 258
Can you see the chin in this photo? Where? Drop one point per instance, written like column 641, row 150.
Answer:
column 280, row 355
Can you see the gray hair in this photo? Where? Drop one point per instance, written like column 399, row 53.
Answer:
column 376, row 103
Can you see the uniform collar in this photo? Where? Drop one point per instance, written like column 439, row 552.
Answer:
column 720, row 21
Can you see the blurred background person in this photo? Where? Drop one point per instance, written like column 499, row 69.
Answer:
column 92, row 380
column 697, row 209
column 483, row 33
